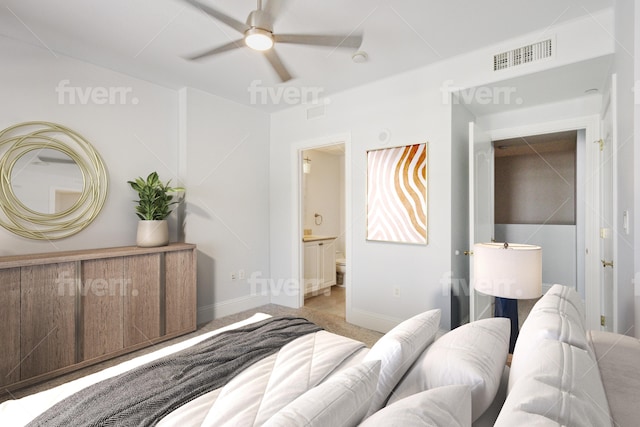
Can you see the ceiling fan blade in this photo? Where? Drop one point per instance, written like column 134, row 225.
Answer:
column 352, row 41
column 232, row 22
column 277, row 65
column 216, row 50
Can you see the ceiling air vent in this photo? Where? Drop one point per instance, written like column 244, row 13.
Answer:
column 523, row 55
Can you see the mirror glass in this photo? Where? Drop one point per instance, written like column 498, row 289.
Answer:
column 53, row 183
column 46, row 181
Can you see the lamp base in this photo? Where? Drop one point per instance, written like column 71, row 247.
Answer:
column 507, row 307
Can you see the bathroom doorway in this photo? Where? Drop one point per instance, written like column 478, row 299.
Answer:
column 323, row 214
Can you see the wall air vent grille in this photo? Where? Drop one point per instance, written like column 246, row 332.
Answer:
column 315, row 112
column 523, row 55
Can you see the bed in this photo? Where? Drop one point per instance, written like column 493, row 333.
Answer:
column 560, row 374
column 316, row 379
column 319, row 378
column 250, row 398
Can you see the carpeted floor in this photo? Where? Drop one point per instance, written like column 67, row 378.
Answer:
column 313, row 311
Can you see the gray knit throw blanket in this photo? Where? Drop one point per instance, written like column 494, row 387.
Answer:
column 142, row 396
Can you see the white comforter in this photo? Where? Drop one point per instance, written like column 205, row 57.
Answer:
column 249, row 399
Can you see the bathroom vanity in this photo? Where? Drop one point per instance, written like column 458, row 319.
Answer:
column 319, row 264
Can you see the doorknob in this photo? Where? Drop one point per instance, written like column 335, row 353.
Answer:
column 606, row 264
column 468, row 253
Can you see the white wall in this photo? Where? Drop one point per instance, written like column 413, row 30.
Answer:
column 134, row 138
column 224, row 166
column 635, row 215
column 412, row 107
column 221, row 151
column 624, row 68
column 587, row 105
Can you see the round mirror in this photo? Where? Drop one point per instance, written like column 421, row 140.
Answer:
column 47, row 181
column 52, row 181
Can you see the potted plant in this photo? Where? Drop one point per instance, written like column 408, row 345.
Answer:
column 154, row 206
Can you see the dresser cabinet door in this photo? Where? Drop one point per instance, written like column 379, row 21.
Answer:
column 9, row 326
column 142, row 298
column 102, row 305
column 328, row 264
column 180, row 291
column 47, row 318
column 312, row 269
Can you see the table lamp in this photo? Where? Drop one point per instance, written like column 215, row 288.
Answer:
column 509, row 272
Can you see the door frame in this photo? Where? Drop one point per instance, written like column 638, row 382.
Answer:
column 297, row 212
column 591, row 124
column 478, row 300
column 610, row 106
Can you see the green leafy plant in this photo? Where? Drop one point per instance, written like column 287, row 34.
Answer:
column 155, row 197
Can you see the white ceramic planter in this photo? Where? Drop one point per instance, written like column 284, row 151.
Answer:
column 152, row 233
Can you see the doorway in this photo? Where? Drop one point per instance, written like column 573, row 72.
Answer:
column 587, row 236
column 537, row 185
column 323, row 218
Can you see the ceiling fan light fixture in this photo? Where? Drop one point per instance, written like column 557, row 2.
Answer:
column 258, row 39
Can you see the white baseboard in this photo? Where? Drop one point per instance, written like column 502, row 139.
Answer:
column 373, row 321
column 207, row 313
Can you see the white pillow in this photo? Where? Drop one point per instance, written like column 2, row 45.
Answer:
column 558, row 316
column 571, row 302
column 443, row 406
column 561, row 386
column 473, row 354
column 342, row 400
column 398, row 349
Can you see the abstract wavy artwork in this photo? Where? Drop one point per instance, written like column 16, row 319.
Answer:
column 397, row 194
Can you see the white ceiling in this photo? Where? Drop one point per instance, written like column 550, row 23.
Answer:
column 148, row 39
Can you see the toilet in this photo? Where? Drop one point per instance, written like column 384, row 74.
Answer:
column 341, row 268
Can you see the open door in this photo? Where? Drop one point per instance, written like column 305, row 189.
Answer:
column 607, row 164
column 481, row 181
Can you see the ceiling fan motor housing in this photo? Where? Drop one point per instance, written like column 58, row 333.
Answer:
column 260, row 19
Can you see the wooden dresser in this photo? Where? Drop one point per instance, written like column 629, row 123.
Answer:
column 63, row 311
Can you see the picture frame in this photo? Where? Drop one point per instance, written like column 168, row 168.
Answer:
column 397, row 194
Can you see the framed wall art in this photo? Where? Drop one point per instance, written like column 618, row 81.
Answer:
column 397, row 194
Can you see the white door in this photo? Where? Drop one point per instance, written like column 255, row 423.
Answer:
column 607, row 211
column 480, row 210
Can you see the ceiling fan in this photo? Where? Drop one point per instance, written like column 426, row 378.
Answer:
column 258, row 35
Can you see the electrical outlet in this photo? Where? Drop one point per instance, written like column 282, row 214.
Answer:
column 233, row 275
column 241, row 275
column 396, row 292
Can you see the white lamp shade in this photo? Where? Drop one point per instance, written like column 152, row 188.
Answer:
column 513, row 272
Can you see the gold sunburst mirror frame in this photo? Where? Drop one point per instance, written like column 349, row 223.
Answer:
column 28, row 139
